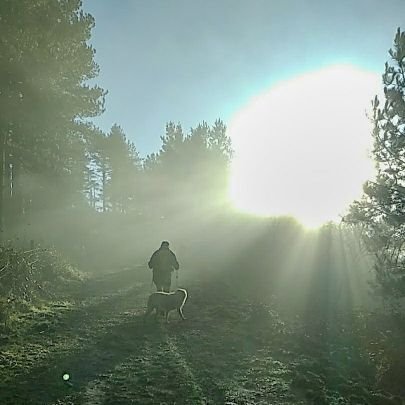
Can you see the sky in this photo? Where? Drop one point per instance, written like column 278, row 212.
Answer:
column 190, row 61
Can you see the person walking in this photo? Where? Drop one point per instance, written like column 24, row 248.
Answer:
column 163, row 262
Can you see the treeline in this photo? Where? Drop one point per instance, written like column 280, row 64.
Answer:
column 45, row 135
column 64, row 181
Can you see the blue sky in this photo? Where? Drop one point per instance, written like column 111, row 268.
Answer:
column 193, row 60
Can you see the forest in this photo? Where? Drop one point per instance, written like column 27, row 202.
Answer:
column 276, row 314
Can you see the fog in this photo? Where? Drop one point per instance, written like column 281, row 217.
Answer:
column 274, row 312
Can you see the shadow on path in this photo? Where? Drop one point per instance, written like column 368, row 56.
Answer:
column 44, row 384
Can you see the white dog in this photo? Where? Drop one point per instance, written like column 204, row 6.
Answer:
column 163, row 301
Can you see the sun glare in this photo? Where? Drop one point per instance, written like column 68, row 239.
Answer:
column 303, row 147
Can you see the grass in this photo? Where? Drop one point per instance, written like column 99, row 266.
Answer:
column 230, row 350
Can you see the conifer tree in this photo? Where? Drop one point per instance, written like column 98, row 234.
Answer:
column 45, row 101
column 381, row 211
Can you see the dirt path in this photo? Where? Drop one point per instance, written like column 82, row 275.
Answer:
column 226, row 352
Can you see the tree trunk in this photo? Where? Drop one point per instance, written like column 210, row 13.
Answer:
column 2, row 183
column 16, row 205
column 104, row 196
column 7, row 192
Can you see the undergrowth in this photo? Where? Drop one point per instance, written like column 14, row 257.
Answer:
column 31, row 280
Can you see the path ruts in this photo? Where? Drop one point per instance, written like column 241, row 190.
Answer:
column 113, row 357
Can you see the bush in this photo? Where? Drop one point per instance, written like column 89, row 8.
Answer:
column 26, row 275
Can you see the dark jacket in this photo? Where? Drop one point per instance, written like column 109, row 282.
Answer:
column 163, row 260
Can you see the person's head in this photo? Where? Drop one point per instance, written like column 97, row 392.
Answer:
column 164, row 245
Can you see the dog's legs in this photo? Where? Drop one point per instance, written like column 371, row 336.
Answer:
column 180, row 311
column 147, row 313
column 167, row 316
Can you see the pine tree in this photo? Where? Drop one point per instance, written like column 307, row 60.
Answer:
column 45, row 65
column 125, row 165
column 381, row 212
column 189, row 174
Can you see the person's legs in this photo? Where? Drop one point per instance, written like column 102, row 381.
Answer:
column 162, row 281
column 159, row 286
column 167, row 281
column 158, row 280
column 159, row 283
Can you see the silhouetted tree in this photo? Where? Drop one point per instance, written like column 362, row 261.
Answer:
column 189, row 174
column 97, row 171
column 45, row 65
column 381, row 212
column 125, row 165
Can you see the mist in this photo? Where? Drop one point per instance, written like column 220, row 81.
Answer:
column 98, row 241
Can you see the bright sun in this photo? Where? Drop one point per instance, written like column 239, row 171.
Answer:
column 302, row 148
